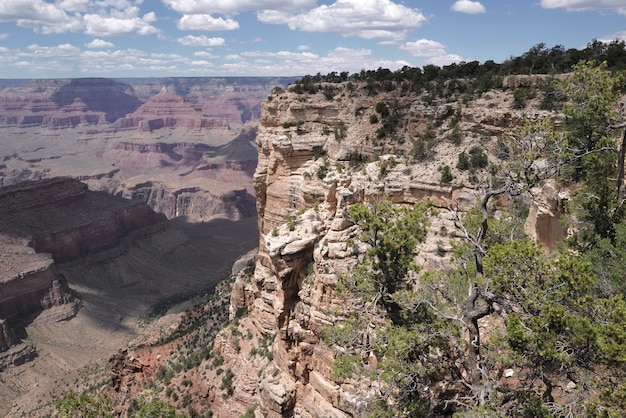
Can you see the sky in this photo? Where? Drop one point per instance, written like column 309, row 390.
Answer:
column 190, row 38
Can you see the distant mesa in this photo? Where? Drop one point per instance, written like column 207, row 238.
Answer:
column 103, row 95
column 66, row 103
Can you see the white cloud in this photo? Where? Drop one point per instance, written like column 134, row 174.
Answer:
column 38, row 15
column 59, row 51
column 434, row 51
column 577, row 5
column 288, row 63
column 73, row 5
column 119, row 23
column 446, row 59
column 287, row 55
column 303, row 47
column 367, row 19
column 93, row 17
column 3, row 36
column 31, row 10
column 206, row 22
column 229, row 7
column 85, row 5
column 201, row 41
column 204, row 54
column 99, row 44
column 468, row 6
column 99, row 58
column 149, row 17
column 424, row 48
column 201, row 63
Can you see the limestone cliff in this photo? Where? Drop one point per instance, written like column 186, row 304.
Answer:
column 317, row 156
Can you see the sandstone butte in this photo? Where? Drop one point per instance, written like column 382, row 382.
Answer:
column 311, row 166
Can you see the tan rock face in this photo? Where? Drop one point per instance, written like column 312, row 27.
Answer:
column 544, row 223
column 313, row 164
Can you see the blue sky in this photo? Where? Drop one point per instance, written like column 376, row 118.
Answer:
column 167, row 38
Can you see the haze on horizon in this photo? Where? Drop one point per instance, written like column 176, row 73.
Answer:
column 137, row 38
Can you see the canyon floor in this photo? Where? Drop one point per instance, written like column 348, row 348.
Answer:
column 190, row 258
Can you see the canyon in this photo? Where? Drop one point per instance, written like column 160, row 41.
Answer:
column 91, row 171
column 255, row 345
column 82, row 271
column 184, row 145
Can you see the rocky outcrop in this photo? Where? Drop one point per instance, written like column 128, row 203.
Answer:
column 544, row 218
column 7, row 336
column 316, row 158
column 125, row 369
column 63, row 218
column 192, row 201
column 16, row 355
column 530, row 81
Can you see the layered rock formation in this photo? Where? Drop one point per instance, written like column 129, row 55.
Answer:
column 56, row 220
column 316, row 158
column 153, row 139
column 167, row 110
column 65, row 103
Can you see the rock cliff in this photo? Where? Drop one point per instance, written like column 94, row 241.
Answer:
column 318, row 156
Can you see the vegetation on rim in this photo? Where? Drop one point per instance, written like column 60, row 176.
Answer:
column 563, row 313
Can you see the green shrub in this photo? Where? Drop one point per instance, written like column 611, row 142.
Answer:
column 382, row 109
column 341, row 131
column 456, row 136
column 478, row 158
column 446, row 174
column 423, row 148
column 463, row 163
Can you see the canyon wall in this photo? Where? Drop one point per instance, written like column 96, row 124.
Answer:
column 184, row 145
column 55, row 221
column 318, row 156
